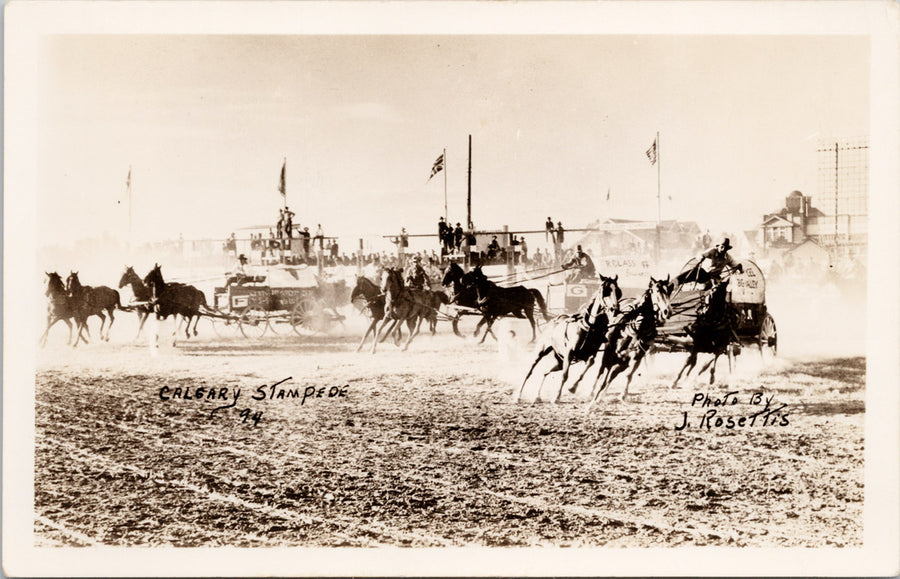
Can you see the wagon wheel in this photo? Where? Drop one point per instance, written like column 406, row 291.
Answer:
column 768, row 336
column 307, row 316
column 253, row 324
column 272, row 323
column 224, row 326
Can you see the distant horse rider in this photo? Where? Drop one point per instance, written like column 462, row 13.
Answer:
column 417, row 279
column 583, row 266
column 718, row 259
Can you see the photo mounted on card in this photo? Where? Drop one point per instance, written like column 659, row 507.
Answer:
column 344, row 288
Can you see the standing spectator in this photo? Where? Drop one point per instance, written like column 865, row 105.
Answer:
column 305, row 236
column 288, row 223
column 524, row 247
column 319, row 237
column 457, row 236
column 334, row 249
column 279, row 227
column 560, row 233
column 548, row 231
column 442, row 235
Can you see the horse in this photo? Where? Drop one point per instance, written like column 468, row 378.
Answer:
column 433, row 300
column 369, row 291
column 495, row 301
column 92, row 301
column 141, row 292
column 579, row 337
column 60, row 307
column 632, row 333
column 713, row 332
column 175, row 299
column 400, row 305
column 463, row 295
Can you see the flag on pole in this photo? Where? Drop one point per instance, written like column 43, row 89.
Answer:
column 651, row 153
column 607, row 193
column 438, row 166
column 128, row 180
column 281, row 185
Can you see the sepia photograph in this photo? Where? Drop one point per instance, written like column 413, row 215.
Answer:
column 351, row 288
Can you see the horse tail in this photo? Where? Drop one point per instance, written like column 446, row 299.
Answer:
column 119, row 305
column 541, row 304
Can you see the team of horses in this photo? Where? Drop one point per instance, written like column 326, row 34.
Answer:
column 619, row 333
column 74, row 303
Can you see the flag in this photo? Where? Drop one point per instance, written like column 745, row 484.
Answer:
column 281, row 185
column 651, row 153
column 438, row 166
column 128, row 180
column 607, row 193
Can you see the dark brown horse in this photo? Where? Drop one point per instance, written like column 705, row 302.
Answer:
column 141, row 292
column 579, row 337
column 368, row 291
column 632, row 334
column 175, row 299
column 60, row 307
column 495, row 301
column 92, row 301
column 400, row 305
column 713, row 332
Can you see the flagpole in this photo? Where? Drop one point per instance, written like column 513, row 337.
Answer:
column 444, row 156
column 284, row 174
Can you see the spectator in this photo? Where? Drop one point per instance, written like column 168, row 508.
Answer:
column 279, row 226
column 288, row 223
column 305, row 236
column 560, row 233
column 524, row 247
column 320, row 236
column 457, row 236
column 493, row 248
column 548, row 231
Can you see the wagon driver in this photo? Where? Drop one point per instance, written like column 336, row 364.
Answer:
column 239, row 273
column 417, row 278
column 583, row 266
column 718, row 259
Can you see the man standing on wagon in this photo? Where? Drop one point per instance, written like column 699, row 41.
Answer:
column 718, row 259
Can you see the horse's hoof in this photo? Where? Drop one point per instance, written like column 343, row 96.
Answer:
column 572, row 389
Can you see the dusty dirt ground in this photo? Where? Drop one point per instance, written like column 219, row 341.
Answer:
column 428, row 448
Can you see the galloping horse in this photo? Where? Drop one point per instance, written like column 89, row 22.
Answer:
column 400, row 305
column 92, row 301
column 175, row 299
column 463, row 295
column 632, row 334
column 578, row 338
column 713, row 331
column 495, row 301
column 141, row 293
column 60, row 306
column 367, row 290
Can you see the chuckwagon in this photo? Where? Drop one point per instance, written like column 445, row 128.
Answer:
column 754, row 324
column 284, row 295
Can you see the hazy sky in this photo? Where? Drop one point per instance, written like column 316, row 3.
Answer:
column 556, row 121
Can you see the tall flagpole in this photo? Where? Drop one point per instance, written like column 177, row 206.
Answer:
column 469, row 194
column 444, row 156
column 284, row 182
